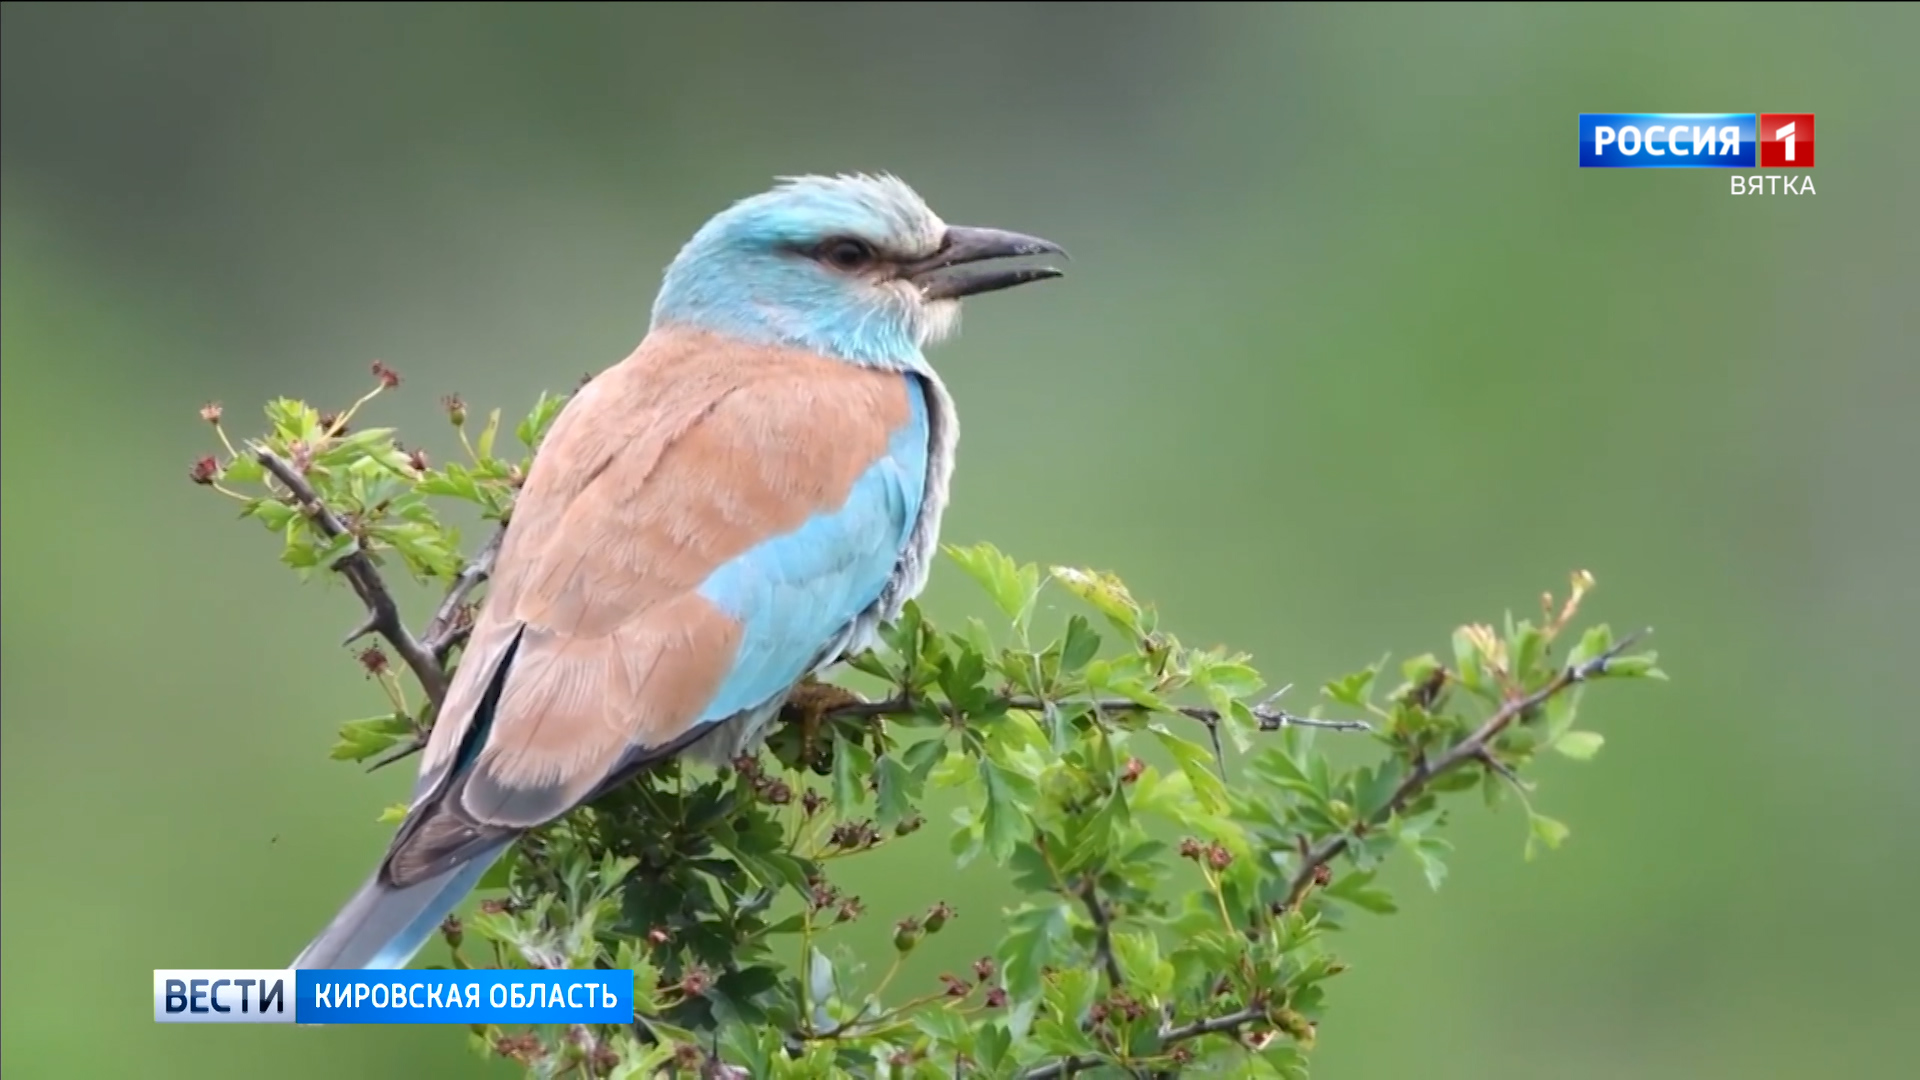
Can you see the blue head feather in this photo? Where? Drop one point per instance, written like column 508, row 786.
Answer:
column 747, row 273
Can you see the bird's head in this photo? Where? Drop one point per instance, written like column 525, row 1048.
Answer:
column 857, row 267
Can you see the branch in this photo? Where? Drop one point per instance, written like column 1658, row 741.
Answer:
column 1089, row 895
column 425, row 656
column 1475, row 747
column 451, row 623
column 383, row 615
column 1269, row 717
column 1226, row 1023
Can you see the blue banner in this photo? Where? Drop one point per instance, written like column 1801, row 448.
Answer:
column 1667, row 140
column 393, row 997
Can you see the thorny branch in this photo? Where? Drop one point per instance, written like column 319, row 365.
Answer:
column 425, row 656
column 1268, row 716
column 1473, row 748
column 383, row 614
column 1169, row 1037
column 1089, row 895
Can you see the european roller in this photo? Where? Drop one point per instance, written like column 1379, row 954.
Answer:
column 739, row 503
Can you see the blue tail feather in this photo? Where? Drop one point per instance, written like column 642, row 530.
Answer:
column 383, row 928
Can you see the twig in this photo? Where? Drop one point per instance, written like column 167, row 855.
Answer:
column 1089, row 895
column 1269, row 717
column 445, row 632
column 383, row 615
column 1211, row 1025
column 448, row 629
column 1472, row 748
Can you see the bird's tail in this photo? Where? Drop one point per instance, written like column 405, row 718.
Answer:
column 383, row 927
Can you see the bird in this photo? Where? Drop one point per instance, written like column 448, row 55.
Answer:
column 739, row 503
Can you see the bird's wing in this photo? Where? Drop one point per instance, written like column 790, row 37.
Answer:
column 702, row 521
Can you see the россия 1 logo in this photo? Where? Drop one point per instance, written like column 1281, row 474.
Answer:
column 1704, row 141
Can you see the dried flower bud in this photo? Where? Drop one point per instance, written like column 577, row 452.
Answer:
column 1219, row 857
column 909, row 825
column 388, row 377
column 811, row 801
column 778, row 793
column 1133, row 770
column 996, row 998
column 204, row 471
column 210, row 412
column 524, row 1048
column 696, row 981
column 1322, row 874
column 453, row 931
column 955, row 986
column 456, row 409
column 1191, row 849
column 937, row 917
column 850, row 909
column 373, row 659
column 658, row 936
column 983, row 968
column 417, row 460
column 906, row 934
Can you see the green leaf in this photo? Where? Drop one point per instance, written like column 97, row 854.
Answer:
column 483, row 446
column 1351, row 689
column 1029, row 947
column 1197, row 764
column 852, row 764
column 1595, row 642
column 1430, row 852
column 1545, row 831
column 275, row 513
column 944, row 1026
column 1641, row 666
column 293, row 421
column 1527, row 645
column 1356, row 887
column 1580, row 745
column 362, row 739
column 1014, row 588
column 1105, row 594
column 924, row 756
column 244, row 469
column 1139, row 957
column 1006, row 824
column 393, row 815
column 896, row 788
column 533, row 429
column 1080, row 647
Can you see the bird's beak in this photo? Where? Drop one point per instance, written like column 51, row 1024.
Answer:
column 952, row 272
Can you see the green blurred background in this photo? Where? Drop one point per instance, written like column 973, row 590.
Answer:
column 1364, row 350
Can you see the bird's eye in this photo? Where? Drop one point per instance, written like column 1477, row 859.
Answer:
column 847, row 253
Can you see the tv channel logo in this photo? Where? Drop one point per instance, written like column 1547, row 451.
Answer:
column 1696, row 140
